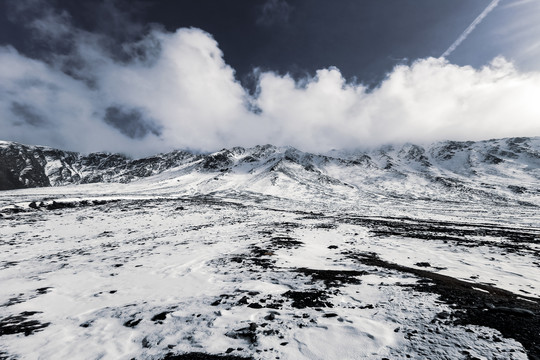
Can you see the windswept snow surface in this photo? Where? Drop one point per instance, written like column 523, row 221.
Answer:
column 132, row 274
column 289, row 256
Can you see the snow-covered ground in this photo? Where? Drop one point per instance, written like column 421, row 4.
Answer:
column 156, row 269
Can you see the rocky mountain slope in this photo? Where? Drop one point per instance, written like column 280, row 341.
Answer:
column 402, row 252
column 23, row 166
column 499, row 170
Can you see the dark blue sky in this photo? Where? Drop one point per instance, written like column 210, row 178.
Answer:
column 363, row 38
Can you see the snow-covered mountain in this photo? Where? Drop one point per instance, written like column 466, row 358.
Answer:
column 23, row 166
column 400, row 252
column 500, row 170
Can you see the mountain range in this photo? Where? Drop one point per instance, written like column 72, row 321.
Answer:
column 498, row 170
column 396, row 252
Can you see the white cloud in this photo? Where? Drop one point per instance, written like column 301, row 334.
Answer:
column 184, row 88
column 429, row 100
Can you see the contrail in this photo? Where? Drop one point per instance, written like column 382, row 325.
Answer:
column 471, row 27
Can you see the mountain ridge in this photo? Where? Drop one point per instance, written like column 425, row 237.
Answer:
column 499, row 170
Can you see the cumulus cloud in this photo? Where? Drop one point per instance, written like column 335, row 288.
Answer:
column 176, row 91
column 428, row 100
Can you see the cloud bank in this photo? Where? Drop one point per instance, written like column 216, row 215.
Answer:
column 174, row 90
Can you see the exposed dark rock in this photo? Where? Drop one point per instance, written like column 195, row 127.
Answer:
column 492, row 159
column 415, row 153
column 330, row 315
column 247, row 333
column 21, row 324
column 61, row 205
column 218, row 161
column 243, row 301
column 255, row 306
column 285, row 242
column 326, row 226
column 43, row 290
column 450, row 148
column 160, row 317
column 14, row 300
column 333, row 278
column 312, row 298
column 517, row 189
column 132, row 323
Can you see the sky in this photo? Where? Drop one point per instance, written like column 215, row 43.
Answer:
column 141, row 77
